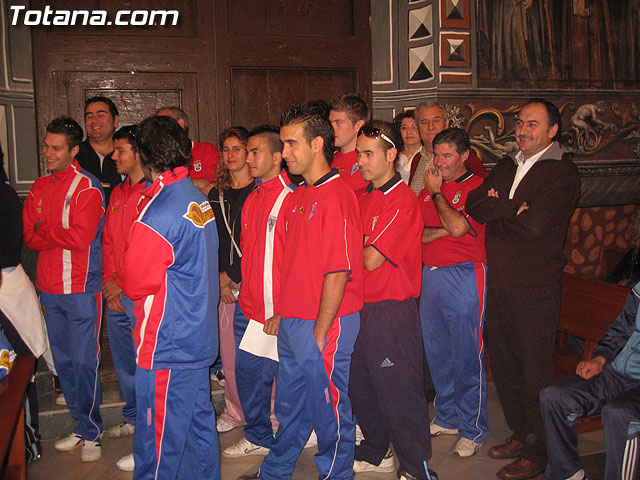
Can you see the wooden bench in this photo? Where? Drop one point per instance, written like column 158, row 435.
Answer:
column 588, row 308
column 13, row 464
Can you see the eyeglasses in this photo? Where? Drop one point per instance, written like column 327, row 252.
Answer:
column 373, row 132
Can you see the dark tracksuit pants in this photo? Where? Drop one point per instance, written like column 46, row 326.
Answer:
column 386, row 385
column 618, row 399
column 520, row 331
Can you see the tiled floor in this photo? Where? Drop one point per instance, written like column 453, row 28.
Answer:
column 67, row 465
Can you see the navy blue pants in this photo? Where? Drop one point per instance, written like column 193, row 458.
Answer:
column 176, row 433
column 613, row 395
column 386, row 385
column 311, row 394
column 121, row 327
column 73, row 321
column 254, row 380
column 452, row 317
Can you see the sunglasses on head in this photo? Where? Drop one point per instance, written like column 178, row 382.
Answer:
column 373, row 132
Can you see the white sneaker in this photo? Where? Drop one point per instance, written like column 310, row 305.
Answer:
column 243, row 448
column 579, row 475
column 359, row 435
column 313, row 440
column 60, row 400
column 91, row 451
column 126, row 463
column 68, row 443
column 466, row 447
column 223, row 426
column 436, row 430
column 386, row 465
column 125, row 429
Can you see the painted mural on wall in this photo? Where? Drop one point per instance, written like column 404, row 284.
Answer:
column 591, row 129
column 558, row 43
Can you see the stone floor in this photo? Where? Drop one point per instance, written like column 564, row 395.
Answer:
column 54, row 465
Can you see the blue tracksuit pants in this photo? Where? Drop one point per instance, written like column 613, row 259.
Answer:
column 176, row 433
column 452, row 317
column 120, row 327
column 610, row 393
column 73, row 321
column 311, row 394
column 254, row 380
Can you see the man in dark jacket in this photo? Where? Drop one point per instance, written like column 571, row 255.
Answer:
column 526, row 202
column 609, row 383
column 100, row 120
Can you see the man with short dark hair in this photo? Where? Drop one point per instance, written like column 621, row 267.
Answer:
column 101, row 119
column 63, row 217
column 204, row 155
column 121, row 213
column 320, row 297
column 170, row 271
column 388, row 354
column 348, row 113
column 526, row 203
column 262, row 245
column 453, row 294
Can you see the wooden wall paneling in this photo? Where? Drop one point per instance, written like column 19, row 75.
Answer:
column 142, row 66
column 270, row 57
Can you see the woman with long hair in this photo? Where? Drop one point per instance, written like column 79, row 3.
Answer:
column 233, row 186
column 411, row 144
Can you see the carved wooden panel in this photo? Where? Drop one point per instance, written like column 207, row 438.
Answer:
column 143, row 17
column 136, row 95
column 261, row 95
column 292, row 17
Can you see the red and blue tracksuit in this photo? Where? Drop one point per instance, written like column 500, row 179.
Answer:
column 452, row 315
column 171, row 272
column 70, row 206
column 324, row 235
column 262, row 245
column 121, row 212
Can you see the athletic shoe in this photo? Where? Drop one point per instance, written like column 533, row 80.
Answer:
column 60, row 400
column 436, row 430
column 223, row 426
column 218, row 377
column 126, row 463
column 313, row 440
column 359, row 435
column 466, row 447
column 68, row 443
column 243, row 448
column 91, row 451
column 125, row 429
column 386, row 465
column 407, row 476
column 579, row 475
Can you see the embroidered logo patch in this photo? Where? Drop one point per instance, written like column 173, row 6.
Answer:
column 148, row 416
column 373, row 224
column 271, row 222
column 456, row 198
column 197, row 166
column 327, row 397
column 354, row 169
column 199, row 215
column 313, row 210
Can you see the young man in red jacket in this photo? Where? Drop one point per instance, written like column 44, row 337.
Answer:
column 121, row 213
column 63, row 218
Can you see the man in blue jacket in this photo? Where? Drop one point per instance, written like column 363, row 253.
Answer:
column 609, row 384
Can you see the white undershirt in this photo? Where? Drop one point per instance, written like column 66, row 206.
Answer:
column 523, row 168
